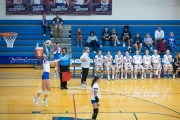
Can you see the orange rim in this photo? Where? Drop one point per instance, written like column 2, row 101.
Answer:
column 8, row 34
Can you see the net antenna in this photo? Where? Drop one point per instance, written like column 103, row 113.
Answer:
column 9, row 37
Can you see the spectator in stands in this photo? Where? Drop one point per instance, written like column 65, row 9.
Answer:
column 162, row 47
column 106, row 36
column 171, row 41
column 45, row 25
column 79, row 37
column 176, row 64
column 126, row 37
column 148, row 42
column 93, row 41
column 57, row 23
column 114, row 37
column 137, row 42
column 159, row 35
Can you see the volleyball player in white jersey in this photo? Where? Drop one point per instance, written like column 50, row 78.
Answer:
column 99, row 60
column 108, row 64
column 95, row 97
column 137, row 60
column 147, row 63
column 127, row 61
column 118, row 65
column 156, row 63
column 45, row 81
column 167, row 60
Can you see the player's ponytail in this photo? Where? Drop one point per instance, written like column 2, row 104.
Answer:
column 94, row 80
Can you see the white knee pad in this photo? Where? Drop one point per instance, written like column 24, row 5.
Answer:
column 113, row 68
column 102, row 68
column 47, row 92
column 55, row 68
column 40, row 91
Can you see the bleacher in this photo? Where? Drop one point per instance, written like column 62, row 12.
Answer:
column 30, row 32
column 98, row 29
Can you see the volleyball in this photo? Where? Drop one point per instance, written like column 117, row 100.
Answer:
column 48, row 42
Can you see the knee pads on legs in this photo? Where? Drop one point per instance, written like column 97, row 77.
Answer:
column 40, row 91
column 47, row 92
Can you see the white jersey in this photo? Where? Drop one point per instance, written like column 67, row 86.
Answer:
column 99, row 60
column 137, row 59
column 46, row 66
column 147, row 59
column 36, row 1
column 86, row 63
column 16, row 2
column 109, row 60
column 167, row 59
column 118, row 59
column 59, row 1
column 95, row 88
column 128, row 61
column 106, row 3
column 155, row 59
column 80, row 2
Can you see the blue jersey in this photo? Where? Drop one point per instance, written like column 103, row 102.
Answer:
column 171, row 40
column 65, row 61
column 45, row 22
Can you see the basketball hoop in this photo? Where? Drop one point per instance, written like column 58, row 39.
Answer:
column 9, row 37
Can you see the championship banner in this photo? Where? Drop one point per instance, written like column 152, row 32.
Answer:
column 101, row 7
column 37, row 7
column 59, row 6
column 80, row 7
column 16, row 7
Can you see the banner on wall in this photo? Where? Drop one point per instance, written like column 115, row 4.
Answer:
column 37, row 7
column 16, row 7
column 63, row 7
column 59, row 6
column 101, row 7
column 80, row 7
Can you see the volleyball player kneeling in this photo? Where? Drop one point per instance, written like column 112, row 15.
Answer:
column 137, row 60
column 95, row 97
column 45, row 80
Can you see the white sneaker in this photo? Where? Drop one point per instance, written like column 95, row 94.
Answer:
column 82, row 86
column 145, row 76
column 114, row 45
column 118, row 42
column 51, row 32
column 132, row 77
column 151, row 74
column 101, row 76
column 36, row 102
column 101, row 46
column 124, row 45
column 156, row 72
column 125, row 76
column 45, row 103
column 174, row 76
column 135, row 77
column 122, row 77
column 113, row 77
column 85, row 83
column 55, row 75
column 142, row 77
column 109, row 77
column 94, row 51
column 44, row 34
column 129, row 47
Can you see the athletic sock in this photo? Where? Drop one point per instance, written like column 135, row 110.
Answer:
column 94, row 116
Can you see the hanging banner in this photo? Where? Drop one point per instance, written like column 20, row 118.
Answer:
column 16, row 7
column 59, row 6
column 37, row 7
column 80, row 7
column 101, row 7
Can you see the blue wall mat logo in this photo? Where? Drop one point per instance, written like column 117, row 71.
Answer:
column 17, row 60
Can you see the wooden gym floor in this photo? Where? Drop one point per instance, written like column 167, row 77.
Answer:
column 149, row 99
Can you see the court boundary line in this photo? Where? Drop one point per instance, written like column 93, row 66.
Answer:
column 75, row 114
column 135, row 115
